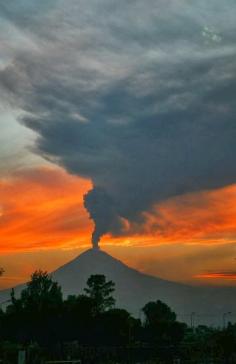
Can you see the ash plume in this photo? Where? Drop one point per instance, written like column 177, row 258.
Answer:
column 138, row 101
column 102, row 211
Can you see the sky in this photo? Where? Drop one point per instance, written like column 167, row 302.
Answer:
column 118, row 129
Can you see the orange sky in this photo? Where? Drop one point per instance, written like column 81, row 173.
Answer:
column 227, row 275
column 42, row 210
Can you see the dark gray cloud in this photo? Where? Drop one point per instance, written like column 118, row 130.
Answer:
column 138, row 97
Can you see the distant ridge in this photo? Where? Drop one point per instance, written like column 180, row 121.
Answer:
column 134, row 289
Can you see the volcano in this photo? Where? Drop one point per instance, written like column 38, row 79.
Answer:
column 135, row 289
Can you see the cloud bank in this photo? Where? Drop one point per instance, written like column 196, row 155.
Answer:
column 138, row 97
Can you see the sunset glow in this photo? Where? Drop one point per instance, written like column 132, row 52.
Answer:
column 224, row 275
column 118, row 132
column 43, row 209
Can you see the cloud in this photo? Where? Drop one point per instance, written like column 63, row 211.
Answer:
column 42, row 209
column 129, row 95
column 42, row 214
column 205, row 216
column 218, row 275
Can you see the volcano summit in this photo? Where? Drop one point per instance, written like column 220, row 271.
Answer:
column 135, row 289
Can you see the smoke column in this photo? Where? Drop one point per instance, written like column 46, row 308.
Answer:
column 102, row 211
column 138, row 98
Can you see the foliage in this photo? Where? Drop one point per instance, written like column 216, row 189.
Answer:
column 100, row 291
column 42, row 293
column 161, row 325
column 39, row 306
column 43, row 322
column 157, row 313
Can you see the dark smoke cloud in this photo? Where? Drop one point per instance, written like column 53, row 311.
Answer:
column 104, row 213
column 140, row 101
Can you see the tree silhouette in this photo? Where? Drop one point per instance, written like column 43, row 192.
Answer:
column 100, row 291
column 160, row 324
column 158, row 312
column 41, row 292
column 40, row 319
column 118, row 327
column 78, row 318
column 35, row 315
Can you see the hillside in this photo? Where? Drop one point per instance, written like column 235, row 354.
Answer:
column 134, row 289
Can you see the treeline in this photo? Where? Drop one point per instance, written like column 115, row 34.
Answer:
column 41, row 318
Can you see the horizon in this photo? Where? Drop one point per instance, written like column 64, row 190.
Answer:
column 129, row 265
column 118, row 133
column 72, row 276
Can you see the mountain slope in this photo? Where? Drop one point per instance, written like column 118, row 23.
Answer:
column 134, row 289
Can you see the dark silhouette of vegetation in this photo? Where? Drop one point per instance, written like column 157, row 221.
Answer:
column 160, row 324
column 100, row 291
column 157, row 313
column 89, row 326
column 38, row 307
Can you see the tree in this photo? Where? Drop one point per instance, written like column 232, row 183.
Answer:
column 158, row 312
column 117, row 327
column 41, row 292
column 78, row 318
column 36, row 314
column 161, row 326
column 100, row 291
